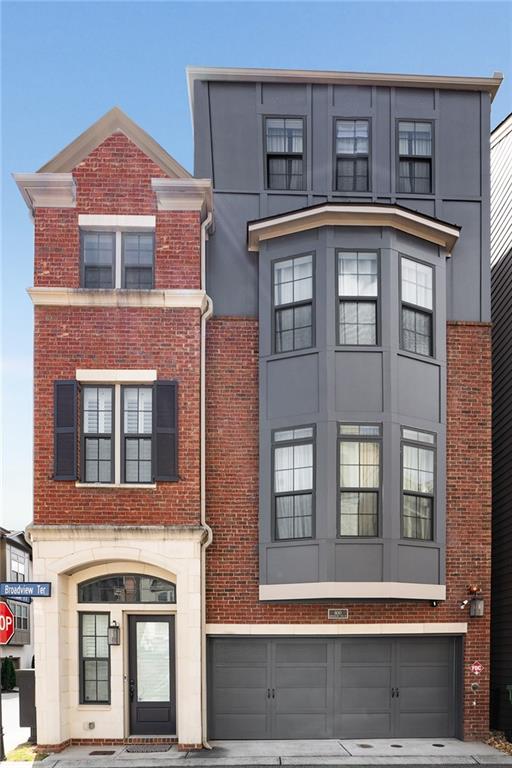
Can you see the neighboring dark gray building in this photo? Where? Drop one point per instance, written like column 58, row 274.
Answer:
column 16, row 565
column 501, row 260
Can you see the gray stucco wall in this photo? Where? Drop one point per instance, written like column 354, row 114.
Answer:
column 329, row 384
column 228, row 125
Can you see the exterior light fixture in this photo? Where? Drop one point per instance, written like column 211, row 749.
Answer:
column 114, row 634
column 476, row 606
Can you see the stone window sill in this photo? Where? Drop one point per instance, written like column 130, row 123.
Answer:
column 108, row 486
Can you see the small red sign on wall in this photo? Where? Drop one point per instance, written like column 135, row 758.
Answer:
column 477, row 668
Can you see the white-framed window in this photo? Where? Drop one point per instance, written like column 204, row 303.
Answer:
column 117, row 252
column 18, row 565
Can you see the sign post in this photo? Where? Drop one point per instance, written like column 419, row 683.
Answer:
column 6, row 633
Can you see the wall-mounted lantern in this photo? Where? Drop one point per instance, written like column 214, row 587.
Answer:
column 114, row 634
column 476, row 601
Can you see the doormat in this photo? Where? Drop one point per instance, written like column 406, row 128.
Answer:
column 103, row 752
column 148, row 748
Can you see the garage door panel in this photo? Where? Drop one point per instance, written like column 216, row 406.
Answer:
column 295, row 652
column 301, row 726
column 424, row 725
column 241, row 699
column 365, row 699
column 424, row 676
column 240, row 677
column 366, row 652
column 301, row 699
column 241, row 652
column 425, row 699
column 239, row 726
column 369, row 677
column 304, row 677
column 376, row 726
column 420, row 652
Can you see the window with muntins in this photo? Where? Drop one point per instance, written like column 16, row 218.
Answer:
column 137, row 434
column 352, row 156
column 417, row 297
column 117, row 260
column 97, row 442
column 357, row 297
column 418, row 454
column 415, row 157
column 18, row 565
column 293, row 456
column 21, row 615
column 94, row 658
column 284, row 146
column 293, row 303
column 359, row 478
column 98, row 259
column 127, row 588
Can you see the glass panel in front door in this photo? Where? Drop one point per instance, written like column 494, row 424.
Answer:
column 153, row 662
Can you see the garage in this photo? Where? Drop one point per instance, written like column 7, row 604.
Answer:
column 318, row 688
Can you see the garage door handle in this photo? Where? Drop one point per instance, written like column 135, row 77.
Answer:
column 273, row 693
column 397, row 690
column 393, row 690
column 268, row 693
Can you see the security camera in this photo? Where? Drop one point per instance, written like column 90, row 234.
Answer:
column 463, row 604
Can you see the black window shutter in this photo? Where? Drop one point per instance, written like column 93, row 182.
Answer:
column 65, row 430
column 166, row 430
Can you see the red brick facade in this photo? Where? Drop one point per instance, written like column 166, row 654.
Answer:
column 115, row 178
column 232, row 498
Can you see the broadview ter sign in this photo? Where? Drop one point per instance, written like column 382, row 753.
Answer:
column 21, row 589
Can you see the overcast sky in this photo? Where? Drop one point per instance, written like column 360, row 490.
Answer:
column 66, row 63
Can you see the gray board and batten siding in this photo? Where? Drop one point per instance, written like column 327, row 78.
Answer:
column 229, row 148
column 328, row 384
column 359, row 687
column 501, row 303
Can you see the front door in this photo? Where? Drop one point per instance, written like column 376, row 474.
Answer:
column 152, row 675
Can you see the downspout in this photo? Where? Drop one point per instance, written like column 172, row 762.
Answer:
column 205, row 316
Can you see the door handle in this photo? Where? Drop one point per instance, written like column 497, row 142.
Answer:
column 273, row 693
column 397, row 692
column 392, row 693
column 268, row 693
column 132, row 690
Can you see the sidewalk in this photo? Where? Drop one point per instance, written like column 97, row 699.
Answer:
column 13, row 734
column 405, row 752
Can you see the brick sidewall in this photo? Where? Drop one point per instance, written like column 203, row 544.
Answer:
column 232, row 498
column 168, row 340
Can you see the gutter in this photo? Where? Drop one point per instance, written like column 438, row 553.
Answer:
column 205, row 316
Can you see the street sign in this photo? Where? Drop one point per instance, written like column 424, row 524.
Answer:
column 18, row 589
column 477, row 668
column 6, row 624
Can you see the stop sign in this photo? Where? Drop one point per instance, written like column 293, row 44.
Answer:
column 6, row 624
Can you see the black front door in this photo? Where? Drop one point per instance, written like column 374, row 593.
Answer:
column 152, row 675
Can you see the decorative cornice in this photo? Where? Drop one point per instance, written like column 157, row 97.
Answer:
column 353, row 215
column 47, row 190
column 329, row 77
column 83, row 297
column 328, row 590
column 183, row 195
column 38, row 532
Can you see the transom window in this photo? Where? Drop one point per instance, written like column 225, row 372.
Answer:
column 293, row 452
column 117, row 260
column 418, row 453
column 359, row 477
column 94, row 658
column 352, row 153
column 127, row 588
column 138, row 430
column 357, row 296
column 293, row 303
column 284, row 143
column 417, row 294
column 415, row 157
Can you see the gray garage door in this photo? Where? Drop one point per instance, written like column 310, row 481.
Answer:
column 288, row 688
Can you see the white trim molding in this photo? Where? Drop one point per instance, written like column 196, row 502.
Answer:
column 117, row 375
column 113, row 222
column 391, row 590
column 353, row 215
column 181, row 298
column 47, row 190
column 183, row 195
column 429, row 628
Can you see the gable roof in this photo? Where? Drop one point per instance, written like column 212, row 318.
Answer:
column 112, row 121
